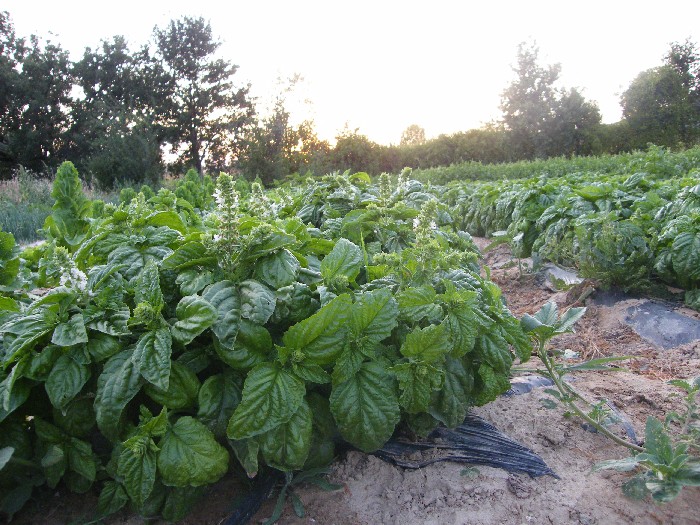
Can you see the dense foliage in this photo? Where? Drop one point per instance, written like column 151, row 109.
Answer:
column 626, row 228
column 149, row 348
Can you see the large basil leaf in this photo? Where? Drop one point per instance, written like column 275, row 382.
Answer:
column 152, row 356
column 189, row 455
column 193, row 280
column 373, row 317
column 189, row 255
column 321, row 336
column 137, row 466
column 194, row 315
column 28, row 331
column 252, row 347
column 102, row 346
column 489, row 385
column 427, row 344
column 345, row 260
column 417, row 381
column 119, row 382
column 257, row 301
column 66, row 380
column 277, row 269
column 71, row 332
column 271, row 396
column 493, row 349
column 686, row 255
column 182, row 389
column 449, row 404
column 112, row 322
column 287, row 446
column 112, row 498
column 147, row 287
column 416, row 304
column 366, row 407
column 218, row 398
column 223, row 296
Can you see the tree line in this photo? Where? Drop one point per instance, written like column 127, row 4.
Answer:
column 124, row 115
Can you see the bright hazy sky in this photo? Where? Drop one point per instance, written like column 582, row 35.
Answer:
column 383, row 65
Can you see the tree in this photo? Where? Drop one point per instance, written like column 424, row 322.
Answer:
column 685, row 60
column 204, row 111
column 11, row 53
column 41, row 102
column 114, row 117
column 658, row 108
column 413, row 135
column 574, row 124
column 529, row 103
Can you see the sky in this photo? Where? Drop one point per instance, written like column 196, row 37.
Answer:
column 381, row 65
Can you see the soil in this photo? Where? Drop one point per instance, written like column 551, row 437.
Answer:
column 375, row 492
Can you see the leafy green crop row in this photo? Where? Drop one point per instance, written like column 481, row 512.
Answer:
column 148, row 349
column 626, row 230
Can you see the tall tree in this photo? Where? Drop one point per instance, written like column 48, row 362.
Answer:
column 11, row 54
column 205, row 111
column 574, row 125
column 43, row 99
column 657, row 107
column 529, row 103
column 114, row 117
column 685, row 60
column 413, row 135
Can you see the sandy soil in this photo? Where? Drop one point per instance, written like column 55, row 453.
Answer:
column 375, row 492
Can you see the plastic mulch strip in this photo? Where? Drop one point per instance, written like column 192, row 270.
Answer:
column 474, row 441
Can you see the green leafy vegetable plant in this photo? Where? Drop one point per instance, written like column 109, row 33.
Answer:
column 667, row 461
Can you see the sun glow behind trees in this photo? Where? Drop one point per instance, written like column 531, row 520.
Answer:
column 383, row 66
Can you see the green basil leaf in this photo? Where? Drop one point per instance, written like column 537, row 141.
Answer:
column 223, row 296
column 102, row 346
column 345, row 260
column 137, row 467
column 449, row 404
column 193, row 280
column 373, row 317
column 81, row 459
column 119, row 382
column 189, row 455
column 218, row 398
column 112, row 322
column 247, row 451
column 277, row 269
column 112, row 498
column 287, row 446
column 489, row 385
column 189, row 255
column 252, row 347
column 427, row 344
column 194, row 316
column 686, row 255
column 366, row 408
column 271, row 396
column 77, row 418
column 417, row 381
column 321, row 336
column 416, row 304
column 257, row 301
column 180, row 501
column 66, row 380
column 152, row 357
column 147, row 287
column 493, row 349
column 70, row 333
column 182, row 390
